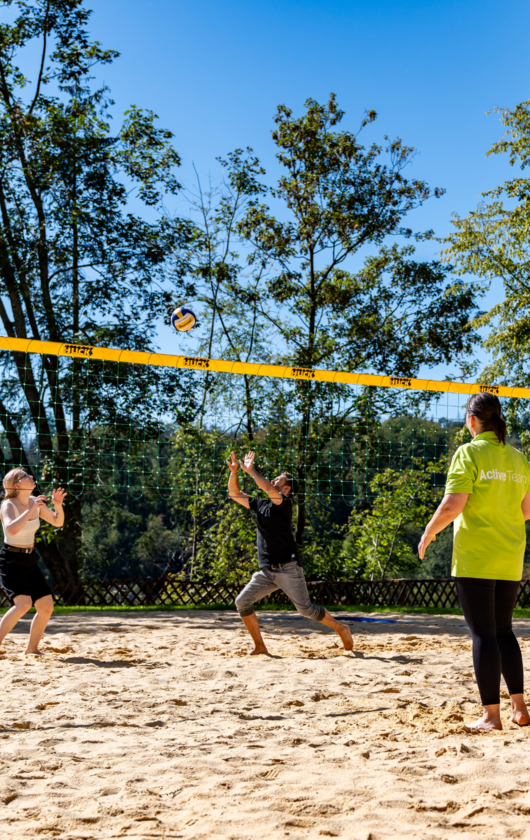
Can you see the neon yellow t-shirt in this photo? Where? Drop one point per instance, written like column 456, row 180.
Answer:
column 489, row 534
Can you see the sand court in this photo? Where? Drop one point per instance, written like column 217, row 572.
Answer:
column 157, row 725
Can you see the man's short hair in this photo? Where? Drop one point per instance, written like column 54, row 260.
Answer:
column 291, row 480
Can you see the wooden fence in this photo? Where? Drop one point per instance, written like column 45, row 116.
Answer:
column 165, row 591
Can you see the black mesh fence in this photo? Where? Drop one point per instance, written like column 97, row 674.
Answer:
column 136, row 592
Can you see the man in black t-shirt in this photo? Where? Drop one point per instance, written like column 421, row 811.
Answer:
column 278, row 557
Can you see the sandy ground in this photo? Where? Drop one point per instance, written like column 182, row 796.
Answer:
column 158, row 726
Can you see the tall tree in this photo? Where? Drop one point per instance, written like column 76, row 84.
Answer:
column 339, row 198
column 76, row 265
column 493, row 242
column 231, row 328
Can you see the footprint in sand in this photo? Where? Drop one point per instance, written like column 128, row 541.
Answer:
column 299, row 823
column 269, row 775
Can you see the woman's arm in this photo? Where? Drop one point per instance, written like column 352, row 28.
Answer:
column 449, row 508
column 56, row 517
column 525, row 506
column 13, row 521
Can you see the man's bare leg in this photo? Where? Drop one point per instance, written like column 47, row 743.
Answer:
column 251, row 623
column 343, row 631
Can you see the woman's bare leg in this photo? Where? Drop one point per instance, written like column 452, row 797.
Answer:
column 491, row 718
column 44, row 607
column 21, row 604
column 519, row 711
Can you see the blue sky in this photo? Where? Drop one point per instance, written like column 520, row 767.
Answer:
column 215, row 72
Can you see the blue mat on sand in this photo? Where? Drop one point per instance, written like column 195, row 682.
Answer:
column 362, row 619
column 337, row 617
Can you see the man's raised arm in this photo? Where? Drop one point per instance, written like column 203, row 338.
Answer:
column 263, row 483
column 234, row 490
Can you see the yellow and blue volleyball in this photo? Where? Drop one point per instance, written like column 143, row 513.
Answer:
column 183, row 319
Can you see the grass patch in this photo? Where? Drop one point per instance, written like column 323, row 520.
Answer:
column 519, row 612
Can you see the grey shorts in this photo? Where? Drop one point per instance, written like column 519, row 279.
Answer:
column 290, row 579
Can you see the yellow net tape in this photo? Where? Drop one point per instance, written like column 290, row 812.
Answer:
column 53, row 348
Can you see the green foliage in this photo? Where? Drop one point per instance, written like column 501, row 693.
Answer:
column 493, row 242
column 228, row 549
column 109, row 535
column 76, row 266
column 394, row 313
column 377, row 536
column 156, row 548
column 439, row 555
column 324, row 557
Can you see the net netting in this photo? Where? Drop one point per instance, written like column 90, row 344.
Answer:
column 102, row 418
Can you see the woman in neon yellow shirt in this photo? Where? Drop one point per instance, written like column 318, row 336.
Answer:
column 487, row 495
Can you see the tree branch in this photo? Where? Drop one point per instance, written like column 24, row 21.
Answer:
column 45, row 35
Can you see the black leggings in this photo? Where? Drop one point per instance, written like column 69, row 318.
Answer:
column 488, row 607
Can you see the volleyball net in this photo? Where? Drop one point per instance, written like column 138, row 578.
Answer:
column 119, row 420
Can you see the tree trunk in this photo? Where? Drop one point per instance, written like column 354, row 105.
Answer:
column 302, row 468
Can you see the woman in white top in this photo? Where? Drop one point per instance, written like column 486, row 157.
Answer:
column 20, row 576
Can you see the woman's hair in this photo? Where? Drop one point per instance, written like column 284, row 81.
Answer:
column 10, row 479
column 291, row 480
column 486, row 407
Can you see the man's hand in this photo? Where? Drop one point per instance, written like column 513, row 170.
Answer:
column 233, row 465
column 234, row 490
column 248, row 464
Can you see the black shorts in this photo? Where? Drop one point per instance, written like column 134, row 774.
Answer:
column 16, row 579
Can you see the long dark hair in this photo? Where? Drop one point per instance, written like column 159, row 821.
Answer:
column 487, row 408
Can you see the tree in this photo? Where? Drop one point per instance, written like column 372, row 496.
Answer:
column 233, row 326
column 76, row 266
column 493, row 242
column 389, row 316
column 228, row 549
column 401, row 499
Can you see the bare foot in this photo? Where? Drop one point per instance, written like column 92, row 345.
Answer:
column 346, row 636
column 258, row 649
column 520, row 714
column 485, row 723
column 34, row 653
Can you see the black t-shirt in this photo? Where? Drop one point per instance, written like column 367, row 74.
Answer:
column 276, row 543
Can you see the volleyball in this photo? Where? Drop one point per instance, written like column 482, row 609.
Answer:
column 183, row 319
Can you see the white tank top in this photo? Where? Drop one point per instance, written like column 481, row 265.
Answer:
column 26, row 535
